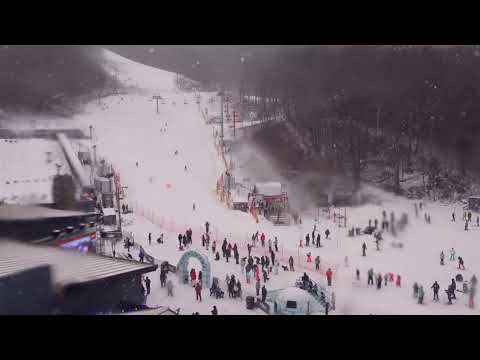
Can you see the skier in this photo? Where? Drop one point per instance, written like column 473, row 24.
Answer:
column 149, row 238
column 147, row 285
column 364, row 248
column 329, row 274
column 214, row 310
column 198, row 291
column 317, row 263
column 370, row 277
column 461, row 265
column 454, row 287
column 421, row 294
column 290, row 262
column 257, row 287
column 452, row 254
column 169, row 288
column 435, row 288
column 358, row 274
column 327, row 232
column 415, row 289
column 264, row 293
column 275, row 243
column 442, row 257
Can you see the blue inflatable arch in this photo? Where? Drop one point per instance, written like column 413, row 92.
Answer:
column 182, row 267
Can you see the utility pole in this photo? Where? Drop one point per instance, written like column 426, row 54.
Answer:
column 157, row 97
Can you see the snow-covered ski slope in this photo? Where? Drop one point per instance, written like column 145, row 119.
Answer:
column 128, row 130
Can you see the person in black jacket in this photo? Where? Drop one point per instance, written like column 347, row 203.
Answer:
column 435, row 288
column 264, row 293
column 214, row 310
column 454, row 287
column 180, row 238
column 147, row 285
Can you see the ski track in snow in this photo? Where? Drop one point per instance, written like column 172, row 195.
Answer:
column 128, row 130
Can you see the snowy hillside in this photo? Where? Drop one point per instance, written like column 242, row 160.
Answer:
column 128, row 130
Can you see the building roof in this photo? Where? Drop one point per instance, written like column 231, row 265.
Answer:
column 28, row 212
column 269, row 188
column 68, row 267
column 162, row 310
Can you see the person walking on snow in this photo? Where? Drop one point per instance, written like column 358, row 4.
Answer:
column 452, row 254
column 453, row 216
column 290, row 262
column 461, row 265
column 163, row 278
column 214, row 246
column 421, row 294
column 264, row 293
column 329, row 274
column 442, row 258
column 357, row 272
column 364, row 249
column 370, row 277
column 180, row 238
column 198, row 291
column 169, row 288
column 147, row 285
column 385, row 278
column 262, row 239
column 379, row 281
column 249, row 249
column 454, row 287
column 269, row 245
column 327, row 232
column 193, row 276
column 398, row 282
column 318, row 241
column 207, row 227
column 317, row 263
column 275, row 243
column 415, row 290
column 435, row 288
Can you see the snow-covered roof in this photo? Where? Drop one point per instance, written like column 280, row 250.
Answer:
column 27, row 212
column 109, row 212
column 27, row 168
column 68, row 266
column 269, row 188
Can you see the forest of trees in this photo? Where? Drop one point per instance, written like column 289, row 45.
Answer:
column 40, row 77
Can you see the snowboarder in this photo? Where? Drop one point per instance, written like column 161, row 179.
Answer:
column 147, row 285
column 214, row 310
column 198, row 291
column 370, row 277
column 257, row 287
column 290, row 262
column 329, row 274
column 421, row 294
column 275, row 243
column 415, row 289
column 364, row 248
column 327, row 232
column 317, row 263
column 452, row 254
column 264, row 293
column 442, row 258
column 435, row 288
column 169, row 288
column 461, row 265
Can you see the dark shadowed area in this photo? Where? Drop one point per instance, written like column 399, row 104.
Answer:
column 42, row 78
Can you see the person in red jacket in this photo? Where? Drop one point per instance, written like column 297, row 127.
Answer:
column 398, row 282
column 329, row 276
column 193, row 275
column 262, row 239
